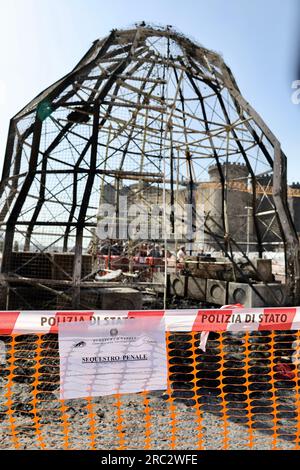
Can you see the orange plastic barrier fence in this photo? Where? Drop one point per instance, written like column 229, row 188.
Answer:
column 242, row 393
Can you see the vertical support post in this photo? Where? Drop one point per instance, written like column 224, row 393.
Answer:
column 85, row 201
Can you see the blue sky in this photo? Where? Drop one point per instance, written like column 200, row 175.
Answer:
column 41, row 40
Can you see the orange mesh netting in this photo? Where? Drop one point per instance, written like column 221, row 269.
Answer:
column 242, row 393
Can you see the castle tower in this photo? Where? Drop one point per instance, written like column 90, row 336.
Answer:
column 226, row 201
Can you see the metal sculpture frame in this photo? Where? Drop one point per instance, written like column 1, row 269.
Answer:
column 140, row 95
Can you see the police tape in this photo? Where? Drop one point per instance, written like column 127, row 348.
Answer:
column 226, row 319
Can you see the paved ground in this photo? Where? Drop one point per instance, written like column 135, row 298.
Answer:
column 95, row 425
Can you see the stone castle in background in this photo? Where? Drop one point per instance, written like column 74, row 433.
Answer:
column 229, row 203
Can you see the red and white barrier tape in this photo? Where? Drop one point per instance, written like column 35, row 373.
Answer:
column 228, row 319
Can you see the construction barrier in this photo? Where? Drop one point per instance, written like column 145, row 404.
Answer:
column 242, row 393
column 229, row 318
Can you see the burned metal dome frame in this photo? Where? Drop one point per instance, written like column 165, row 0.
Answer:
column 149, row 105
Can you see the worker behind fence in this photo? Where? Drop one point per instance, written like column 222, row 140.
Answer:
column 181, row 254
column 155, row 251
column 171, row 258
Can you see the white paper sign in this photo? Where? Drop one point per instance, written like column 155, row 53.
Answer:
column 117, row 356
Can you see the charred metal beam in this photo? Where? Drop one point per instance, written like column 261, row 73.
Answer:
column 215, row 154
column 10, row 226
column 83, row 209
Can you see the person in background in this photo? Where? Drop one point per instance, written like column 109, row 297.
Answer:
column 171, row 258
column 116, row 248
column 104, row 248
column 150, row 247
column 181, row 254
column 158, row 252
column 142, row 250
column 155, row 252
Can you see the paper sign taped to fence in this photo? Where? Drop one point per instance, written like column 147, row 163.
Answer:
column 116, row 356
